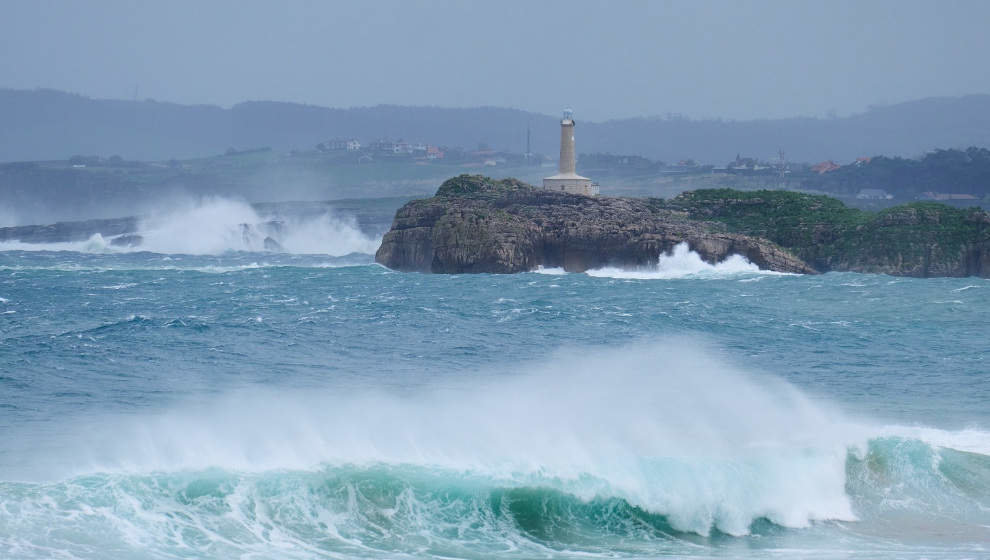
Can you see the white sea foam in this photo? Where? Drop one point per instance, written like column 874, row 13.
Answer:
column 667, row 426
column 964, row 288
column 215, row 225
column 192, row 266
column 971, row 440
column 682, row 262
column 123, row 286
column 553, row 270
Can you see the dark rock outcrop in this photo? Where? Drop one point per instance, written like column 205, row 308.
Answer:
column 129, row 240
column 921, row 239
column 476, row 224
column 274, row 246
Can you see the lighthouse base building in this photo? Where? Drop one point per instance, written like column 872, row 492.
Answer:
column 571, row 183
column 567, row 180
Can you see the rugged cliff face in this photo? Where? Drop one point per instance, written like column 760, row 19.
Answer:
column 476, row 224
column 921, row 239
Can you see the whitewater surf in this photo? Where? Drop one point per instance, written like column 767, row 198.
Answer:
column 258, row 405
column 215, row 225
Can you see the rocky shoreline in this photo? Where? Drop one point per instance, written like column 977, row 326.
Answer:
column 477, row 224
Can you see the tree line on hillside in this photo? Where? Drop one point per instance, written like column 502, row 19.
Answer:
column 962, row 172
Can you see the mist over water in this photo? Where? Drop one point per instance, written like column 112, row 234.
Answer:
column 216, row 225
column 213, row 225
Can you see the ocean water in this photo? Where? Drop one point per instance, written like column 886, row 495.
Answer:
column 207, row 401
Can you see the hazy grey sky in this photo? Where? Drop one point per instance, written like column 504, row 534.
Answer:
column 606, row 59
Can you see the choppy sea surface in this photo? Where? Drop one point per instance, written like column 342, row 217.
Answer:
column 253, row 405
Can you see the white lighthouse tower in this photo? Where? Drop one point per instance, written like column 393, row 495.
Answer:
column 566, row 180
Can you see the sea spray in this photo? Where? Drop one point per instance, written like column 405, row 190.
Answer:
column 213, row 225
column 629, row 450
column 668, row 426
column 217, row 225
column 682, row 262
column 95, row 243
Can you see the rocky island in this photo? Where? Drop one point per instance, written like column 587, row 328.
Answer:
column 477, row 224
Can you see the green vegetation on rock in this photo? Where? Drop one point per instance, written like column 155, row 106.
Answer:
column 466, row 185
column 917, row 239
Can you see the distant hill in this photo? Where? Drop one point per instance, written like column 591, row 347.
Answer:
column 46, row 124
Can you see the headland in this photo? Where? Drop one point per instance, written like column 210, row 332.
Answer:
column 478, row 224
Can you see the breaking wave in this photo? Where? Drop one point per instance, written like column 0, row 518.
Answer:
column 634, row 450
column 216, row 225
column 682, row 262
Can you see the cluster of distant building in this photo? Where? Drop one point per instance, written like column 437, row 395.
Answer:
column 383, row 146
column 748, row 165
column 386, row 148
column 880, row 194
column 829, row 165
